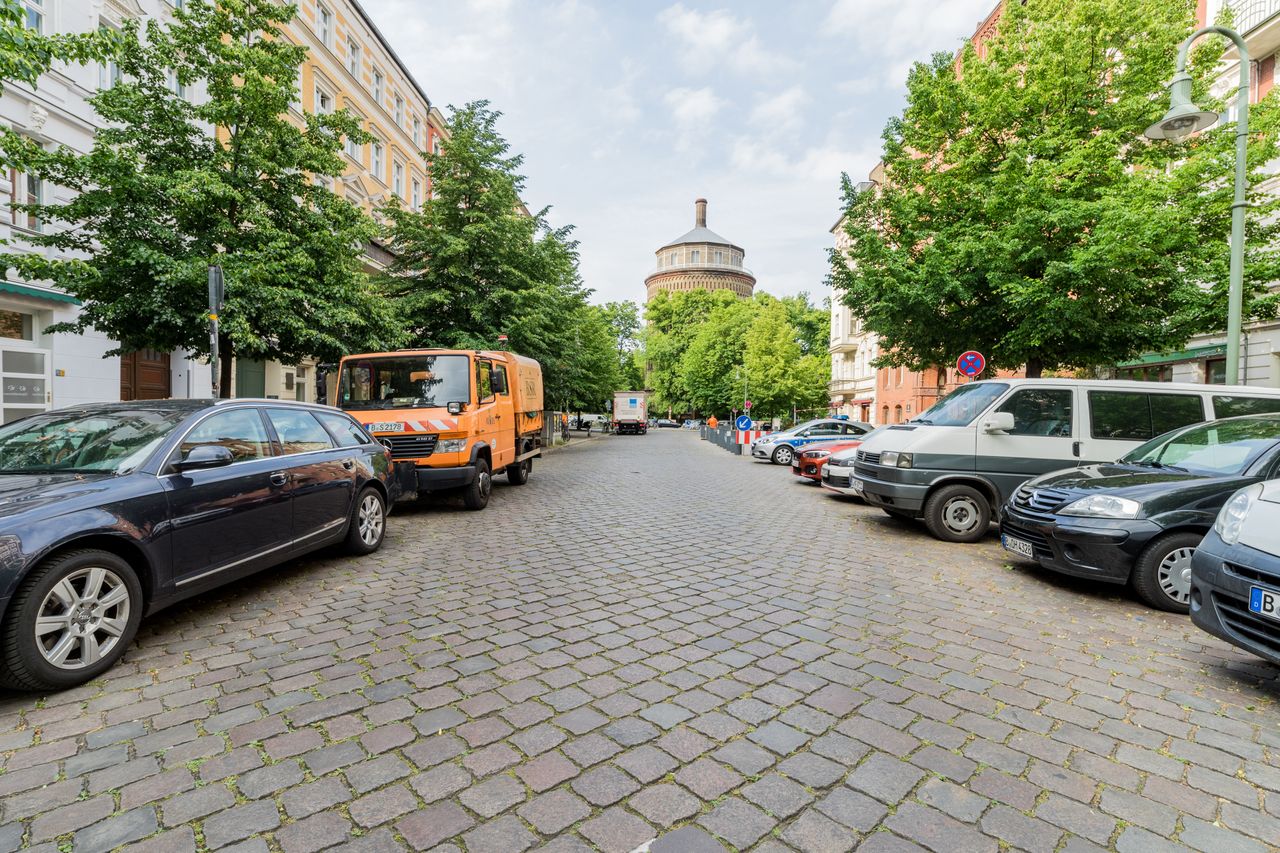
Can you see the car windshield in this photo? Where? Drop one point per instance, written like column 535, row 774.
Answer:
column 115, row 441
column 962, row 405
column 1218, row 448
column 404, row 382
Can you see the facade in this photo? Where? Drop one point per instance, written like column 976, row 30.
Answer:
column 853, row 378
column 38, row 370
column 700, row 260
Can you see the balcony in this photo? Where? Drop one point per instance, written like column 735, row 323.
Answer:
column 699, row 265
column 1250, row 14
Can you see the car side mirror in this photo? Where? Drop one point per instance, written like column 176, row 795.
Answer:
column 998, row 422
column 454, row 408
column 498, row 383
column 205, row 456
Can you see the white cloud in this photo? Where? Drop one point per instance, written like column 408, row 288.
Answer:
column 692, row 111
column 717, row 38
column 783, row 111
column 901, row 32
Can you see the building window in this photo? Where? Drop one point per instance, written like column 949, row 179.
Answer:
column 17, row 326
column 353, row 57
column 353, row 149
column 719, row 257
column 436, row 147
column 377, row 86
column 671, row 259
column 35, row 14
column 1149, row 373
column 1215, row 371
column 176, row 86
column 323, row 102
column 417, row 194
column 324, row 25
column 399, row 113
column 376, row 165
column 417, row 131
column 397, row 179
column 695, row 256
column 897, row 414
column 27, row 189
column 109, row 71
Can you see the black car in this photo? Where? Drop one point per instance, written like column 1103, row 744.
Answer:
column 1235, row 573
column 664, row 423
column 1141, row 518
column 112, row 511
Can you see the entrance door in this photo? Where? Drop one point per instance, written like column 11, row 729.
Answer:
column 144, row 375
column 25, row 378
column 251, row 378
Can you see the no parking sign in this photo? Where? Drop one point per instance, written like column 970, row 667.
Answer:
column 971, row 363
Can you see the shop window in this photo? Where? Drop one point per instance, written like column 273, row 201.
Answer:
column 1147, row 373
column 1215, row 371
column 17, row 325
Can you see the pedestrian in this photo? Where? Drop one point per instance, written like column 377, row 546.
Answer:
column 712, row 422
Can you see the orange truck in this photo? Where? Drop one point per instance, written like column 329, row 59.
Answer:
column 452, row 418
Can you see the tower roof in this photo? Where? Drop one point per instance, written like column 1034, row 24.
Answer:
column 701, row 233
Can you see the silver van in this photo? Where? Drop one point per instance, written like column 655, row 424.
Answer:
column 958, row 462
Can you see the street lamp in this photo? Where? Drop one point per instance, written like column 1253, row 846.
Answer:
column 1185, row 118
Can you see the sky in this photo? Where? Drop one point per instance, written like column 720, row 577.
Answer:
column 628, row 110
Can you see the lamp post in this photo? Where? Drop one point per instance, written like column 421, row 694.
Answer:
column 1184, row 118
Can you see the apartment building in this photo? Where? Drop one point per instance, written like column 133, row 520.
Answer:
column 852, row 387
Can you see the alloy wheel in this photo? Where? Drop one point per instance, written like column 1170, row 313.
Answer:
column 82, row 618
column 1174, row 574
column 371, row 519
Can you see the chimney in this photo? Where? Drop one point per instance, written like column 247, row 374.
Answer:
column 700, row 219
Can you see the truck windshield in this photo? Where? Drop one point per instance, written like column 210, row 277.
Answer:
column 404, row 382
column 962, row 405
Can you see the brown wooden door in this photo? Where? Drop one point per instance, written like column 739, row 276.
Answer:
column 144, row 375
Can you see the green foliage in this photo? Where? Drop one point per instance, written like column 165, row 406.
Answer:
column 705, row 350
column 812, row 322
column 159, row 198
column 26, row 53
column 1024, row 214
column 472, row 264
column 623, row 319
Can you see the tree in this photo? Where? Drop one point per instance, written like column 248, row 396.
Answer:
column 712, row 364
column 674, row 320
column 26, row 52
column 473, row 264
column 812, row 323
column 779, row 375
column 159, row 199
column 623, row 319
column 1024, row 215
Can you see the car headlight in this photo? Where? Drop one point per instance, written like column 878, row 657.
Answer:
column 895, row 459
column 1231, row 518
column 452, row 445
column 1102, row 506
column 817, row 454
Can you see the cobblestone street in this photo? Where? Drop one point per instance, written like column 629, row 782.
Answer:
column 654, row 639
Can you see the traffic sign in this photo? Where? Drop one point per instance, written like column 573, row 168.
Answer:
column 971, row 363
column 743, row 422
column 747, row 405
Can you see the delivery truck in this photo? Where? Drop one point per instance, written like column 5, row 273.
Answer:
column 452, row 418
column 630, row 412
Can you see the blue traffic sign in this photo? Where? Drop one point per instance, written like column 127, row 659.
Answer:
column 971, row 363
column 743, row 422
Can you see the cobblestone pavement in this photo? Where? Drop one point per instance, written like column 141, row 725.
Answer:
column 654, row 639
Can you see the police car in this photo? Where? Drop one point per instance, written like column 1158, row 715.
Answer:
column 780, row 447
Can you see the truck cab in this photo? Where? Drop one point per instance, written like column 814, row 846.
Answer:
column 452, row 418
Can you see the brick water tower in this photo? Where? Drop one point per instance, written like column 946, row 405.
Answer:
column 700, row 260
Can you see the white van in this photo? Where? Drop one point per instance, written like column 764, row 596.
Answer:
column 958, row 462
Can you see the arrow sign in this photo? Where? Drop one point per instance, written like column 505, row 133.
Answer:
column 743, row 422
column 971, row 363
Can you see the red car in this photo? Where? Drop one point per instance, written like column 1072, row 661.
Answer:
column 808, row 462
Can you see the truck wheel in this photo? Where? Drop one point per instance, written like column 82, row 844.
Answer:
column 1162, row 574
column 476, row 495
column 957, row 513
column 70, row 621
column 518, row 474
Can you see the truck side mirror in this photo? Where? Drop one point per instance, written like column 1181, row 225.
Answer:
column 454, row 408
column 498, row 382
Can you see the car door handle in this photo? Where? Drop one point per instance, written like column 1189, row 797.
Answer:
column 348, row 464
column 279, row 478
column 1075, row 449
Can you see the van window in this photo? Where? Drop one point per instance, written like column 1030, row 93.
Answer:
column 1230, row 407
column 1040, row 411
column 1137, row 416
column 962, row 405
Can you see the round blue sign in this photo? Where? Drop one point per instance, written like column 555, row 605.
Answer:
column 743, row 422
column 971, row 363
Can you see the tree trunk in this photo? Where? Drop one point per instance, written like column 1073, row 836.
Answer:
column 1035, row 367
column 226, row 356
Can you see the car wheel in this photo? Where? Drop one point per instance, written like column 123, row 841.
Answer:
column 70, row 620
column 476, row 495
column 1162, row 574
column 957, row 513
column 518, row 474
column 368, row 523
column 783, row 455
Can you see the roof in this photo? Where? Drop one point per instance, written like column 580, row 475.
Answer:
column 701, row 235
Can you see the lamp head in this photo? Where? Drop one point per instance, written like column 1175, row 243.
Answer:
column 1183, row 118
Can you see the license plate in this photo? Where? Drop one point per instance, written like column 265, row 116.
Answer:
column 1021, row 547
column 1264, row 602
column 394, row 426
column 858, row 486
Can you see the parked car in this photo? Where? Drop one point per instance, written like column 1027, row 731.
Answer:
column 665, row 423
column 836, row 472
column 117, row 510
column 1235, row 573
column 1139, row 519
column 964, row 457
column 780, row 447
column 809, row 461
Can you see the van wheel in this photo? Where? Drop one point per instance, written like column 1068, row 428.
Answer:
column 1162, row 574
column 70, row 621
column 476, row 495
column 518, row 474
column 957, row 513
